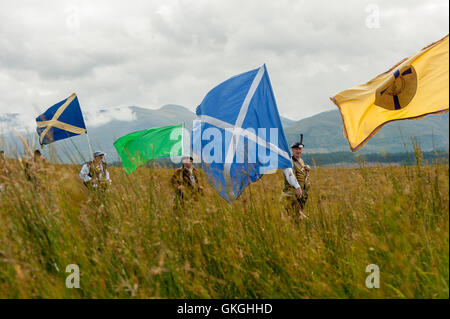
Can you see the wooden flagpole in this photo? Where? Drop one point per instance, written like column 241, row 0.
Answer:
column 91, row 156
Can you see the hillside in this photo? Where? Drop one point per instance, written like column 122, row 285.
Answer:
column 323, row 133
column 130, row 242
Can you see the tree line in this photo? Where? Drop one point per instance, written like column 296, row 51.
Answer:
column 326, row 159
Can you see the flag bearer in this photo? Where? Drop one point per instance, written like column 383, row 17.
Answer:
column 185, row 182
column 95, row 173
column 36, row 168
column 295, row 186
column 4, row 171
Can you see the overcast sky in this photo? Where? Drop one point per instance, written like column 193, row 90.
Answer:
column 150, row 53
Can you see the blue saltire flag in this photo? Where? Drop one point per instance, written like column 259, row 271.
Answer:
column 238, row 134
column 62, row 120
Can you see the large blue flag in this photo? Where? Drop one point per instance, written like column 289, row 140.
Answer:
column 62, row 120
column 238, row 133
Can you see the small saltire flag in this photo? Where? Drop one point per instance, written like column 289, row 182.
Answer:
column 238, row 133
column 62, row 120
column 414, row 87
column 137, row 148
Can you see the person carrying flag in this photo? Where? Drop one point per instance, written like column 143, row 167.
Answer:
column 95, row 174
column 295, row 186
column 185, row 183
column 35, row 168
column 5, row 171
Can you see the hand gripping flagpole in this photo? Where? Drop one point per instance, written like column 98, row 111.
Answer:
column 307, row 172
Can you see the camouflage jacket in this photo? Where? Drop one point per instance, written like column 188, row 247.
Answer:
column 300, row 174
column 189, row 179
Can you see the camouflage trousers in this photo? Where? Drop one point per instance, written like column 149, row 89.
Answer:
column 182, row 201
column 292, row 203
column 101, row 186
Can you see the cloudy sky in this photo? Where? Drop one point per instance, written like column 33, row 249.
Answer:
column 150, row 53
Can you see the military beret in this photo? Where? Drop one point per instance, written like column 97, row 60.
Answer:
column 98, row 153
column 297, row 145
column 185, row 158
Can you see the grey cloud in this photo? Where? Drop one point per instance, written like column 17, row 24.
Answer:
column 116, row 54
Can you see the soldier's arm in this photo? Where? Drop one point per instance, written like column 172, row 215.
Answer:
column 175, row 181
column 290, row 177
column 305, row 166
column 292, row 180
column 84, row 173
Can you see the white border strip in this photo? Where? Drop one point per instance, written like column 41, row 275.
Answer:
column 240, row 119
column 243, row 132
column 244, row 108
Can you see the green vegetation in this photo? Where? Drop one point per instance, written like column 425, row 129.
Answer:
column 321, row 159
column 129, row 243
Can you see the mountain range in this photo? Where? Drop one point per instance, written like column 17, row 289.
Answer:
column 323, row 132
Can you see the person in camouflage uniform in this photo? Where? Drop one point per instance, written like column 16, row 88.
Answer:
column 95, row 173
column 185, row 182
column 35, row 168
column 4, row 172
column 295, row 190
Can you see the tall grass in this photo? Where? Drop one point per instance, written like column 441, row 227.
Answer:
column 130, row 243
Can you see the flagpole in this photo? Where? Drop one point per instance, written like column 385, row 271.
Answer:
column 182, row 140
column 90, row 147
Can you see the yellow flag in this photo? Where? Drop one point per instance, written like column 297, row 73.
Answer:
column 414, row 87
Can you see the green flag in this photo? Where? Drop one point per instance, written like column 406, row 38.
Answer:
column 139, row 147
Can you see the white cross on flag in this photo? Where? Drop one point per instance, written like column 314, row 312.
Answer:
column 239, row 135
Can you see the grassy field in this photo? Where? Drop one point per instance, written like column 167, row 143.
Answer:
column 129, row 243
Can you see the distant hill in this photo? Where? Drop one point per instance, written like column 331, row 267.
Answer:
column 286, row 122
column 323, row 133
column 104, row 135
